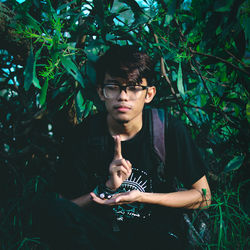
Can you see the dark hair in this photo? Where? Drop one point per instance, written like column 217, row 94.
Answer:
column 126, row 62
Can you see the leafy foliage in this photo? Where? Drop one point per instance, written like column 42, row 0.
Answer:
column 201, row 55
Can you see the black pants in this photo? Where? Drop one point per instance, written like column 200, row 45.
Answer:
column 65, row 226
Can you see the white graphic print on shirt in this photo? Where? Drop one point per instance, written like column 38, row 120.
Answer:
column 138, row 180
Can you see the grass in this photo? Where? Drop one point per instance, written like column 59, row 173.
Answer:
column 229, row 221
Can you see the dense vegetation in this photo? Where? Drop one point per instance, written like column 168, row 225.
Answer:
column 201, row 51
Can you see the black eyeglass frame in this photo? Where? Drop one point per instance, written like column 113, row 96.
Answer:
column 123, row 87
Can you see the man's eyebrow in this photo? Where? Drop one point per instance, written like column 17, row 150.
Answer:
column 112, row 81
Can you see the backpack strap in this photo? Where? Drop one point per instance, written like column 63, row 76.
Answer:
column 158, row 123
column 158, row 132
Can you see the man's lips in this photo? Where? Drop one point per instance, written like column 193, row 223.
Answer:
column 122, row 108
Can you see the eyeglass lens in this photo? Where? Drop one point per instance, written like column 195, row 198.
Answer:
column 113, row 91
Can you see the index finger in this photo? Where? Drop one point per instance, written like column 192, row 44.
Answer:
column 118, row 148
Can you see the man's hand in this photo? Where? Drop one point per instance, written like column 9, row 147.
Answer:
column 118, row 199
column 119, row 169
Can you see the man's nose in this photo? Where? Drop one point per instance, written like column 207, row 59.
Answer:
column 123, row 94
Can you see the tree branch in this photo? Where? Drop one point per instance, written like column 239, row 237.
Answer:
column 237, row 59
column 219, row 59
column 198, row 72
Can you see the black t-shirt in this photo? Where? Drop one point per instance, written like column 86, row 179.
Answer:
column 89, row 150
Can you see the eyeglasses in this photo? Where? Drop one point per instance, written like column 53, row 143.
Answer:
column 112, row 91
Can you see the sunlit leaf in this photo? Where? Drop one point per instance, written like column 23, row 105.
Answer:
column 180, row 82
column 80, row 101
column 80, row 105
column 70, row 66
column 88, row 108
column 35, row 79
column 43, row 94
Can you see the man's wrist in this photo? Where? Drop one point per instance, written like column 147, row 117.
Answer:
column 140, row 197
column 110, row 186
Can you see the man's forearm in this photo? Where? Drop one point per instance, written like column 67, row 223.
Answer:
column 83, row 201
column 199, row 196
column 191, row 199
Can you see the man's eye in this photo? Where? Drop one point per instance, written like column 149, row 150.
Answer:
column 111, row 87
column 134, row 88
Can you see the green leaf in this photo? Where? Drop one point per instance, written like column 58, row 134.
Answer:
column 80, row 102
column 234, row 164
column 180, row 82
column 80, row 105
column 236, row 109
column 248, row 111
column 64, row 6
column 110, row 3
column 204, row 191
column 223, row 5
column 135, row 7
column 70, row 66
column 28, row 72
column 168, row 19
column 88, row 108
column 43, row 94
column 35, row 79
column 32, row 23
column 52, row 11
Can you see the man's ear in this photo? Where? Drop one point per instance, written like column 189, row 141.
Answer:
column 150, row 94
column 100, row 93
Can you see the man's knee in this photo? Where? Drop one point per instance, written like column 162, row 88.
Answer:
column 47, row 211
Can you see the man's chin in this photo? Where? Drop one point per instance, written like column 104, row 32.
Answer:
column 122, row 121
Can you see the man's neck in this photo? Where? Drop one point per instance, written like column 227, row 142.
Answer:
column 126, row 130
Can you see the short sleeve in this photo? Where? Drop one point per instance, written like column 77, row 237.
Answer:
column 183, row 155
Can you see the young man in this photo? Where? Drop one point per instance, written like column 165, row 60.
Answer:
column 111, row 193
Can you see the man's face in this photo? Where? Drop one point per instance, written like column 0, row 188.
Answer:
column 122, row 107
